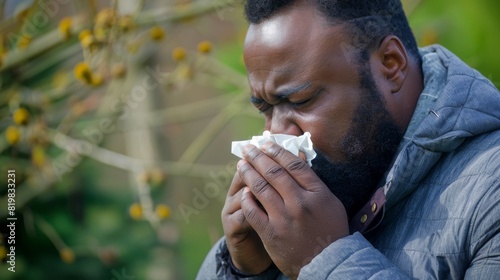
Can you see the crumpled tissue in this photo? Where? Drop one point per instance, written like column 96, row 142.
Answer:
column 292, row 143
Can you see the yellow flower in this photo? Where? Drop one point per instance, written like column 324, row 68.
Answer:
column 144, row 177
column 21, row 116
column 83, row 73
column 119, row 70
column 135, row 211
column 13, row 135
column 104, row 21
column 83, row 34
column 126, row 23
column 67, row 255
column 178, row 54
column 156, row 33
column 88, row 42
column 157, row 177
column 101, row 33
column 97, row 80
column 162, row 211
column 22, row 11
column 65, row 27
column 38, row 156
column 105, row 18
column 24, row 41
column 205, row 47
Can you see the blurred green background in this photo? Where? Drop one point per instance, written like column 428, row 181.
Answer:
column 117, row 118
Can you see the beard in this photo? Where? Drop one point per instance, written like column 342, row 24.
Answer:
column 368, row 147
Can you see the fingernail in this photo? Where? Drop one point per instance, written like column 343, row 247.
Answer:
column 302, row 155
column 265, row 147
column 247, row 149
column 246, row 190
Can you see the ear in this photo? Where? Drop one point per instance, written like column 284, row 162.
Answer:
column 394, row 59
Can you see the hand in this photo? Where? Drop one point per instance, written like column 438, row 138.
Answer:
column 291, row 209
column 245, row 247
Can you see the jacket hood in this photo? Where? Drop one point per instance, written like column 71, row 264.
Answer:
column 468, row 105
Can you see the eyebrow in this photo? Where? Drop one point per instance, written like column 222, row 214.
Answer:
column 283, row 94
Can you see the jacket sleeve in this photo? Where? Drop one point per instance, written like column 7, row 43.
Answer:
column 484, row 251
column 352, row 257
column 217, row 265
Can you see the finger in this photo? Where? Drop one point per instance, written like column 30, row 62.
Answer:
column 272, row 172
column 233, row 203
column 296, row 167
column 232, row 216
column 255, row 216
column 260, row 187
column 233, row 197
column 236, row 223
column 236, row 185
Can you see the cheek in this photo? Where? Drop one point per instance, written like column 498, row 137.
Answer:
column 330, row 122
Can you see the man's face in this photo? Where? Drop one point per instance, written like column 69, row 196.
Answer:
column 302, row 79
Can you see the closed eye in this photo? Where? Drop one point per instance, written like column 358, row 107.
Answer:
column 260, row 104
column 304, row 102
column 263, row 110
column 298, row 104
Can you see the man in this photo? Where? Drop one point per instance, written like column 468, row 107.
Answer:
column 406, row 183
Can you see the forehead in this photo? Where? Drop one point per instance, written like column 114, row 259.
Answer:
column 294, row 41
column 286, row 27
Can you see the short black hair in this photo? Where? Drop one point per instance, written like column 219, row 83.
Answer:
column 369, row 21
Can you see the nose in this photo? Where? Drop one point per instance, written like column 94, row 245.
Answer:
column 283, row 122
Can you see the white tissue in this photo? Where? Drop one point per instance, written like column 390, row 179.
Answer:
column 292, row 143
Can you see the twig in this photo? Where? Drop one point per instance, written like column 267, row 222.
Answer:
column 144, row 194
column 58, row 56
column 229, row 74
column 51, row 233
column 187, row 112
column 47, row 177
column 140, row 6
column 157, row 15
column 208, row 134
column 131, row 164
column 170, row 115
